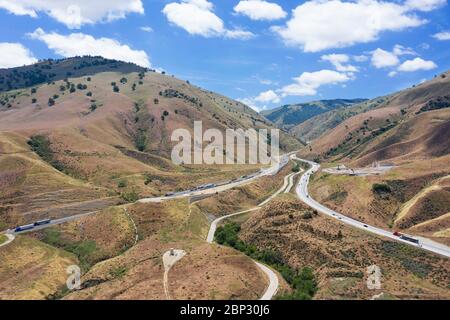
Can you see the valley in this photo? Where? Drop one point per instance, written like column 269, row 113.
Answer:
column 88, row 154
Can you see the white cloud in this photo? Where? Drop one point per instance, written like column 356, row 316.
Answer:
column 382, row 59
column 146, row 29
column 79, row 44
column 15, row 55
column 260, row 10
column 197, row 18
column 424, row 5
column 268, row 96
column 74, row 14
column 445, row 35
column 308, row 82
column 392, row 74
column 319, row 25
column 340, row 62
column 417, row 64
column 238, row 34
column 251, row 103
column 401, row 51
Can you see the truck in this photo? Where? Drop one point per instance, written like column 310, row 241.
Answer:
column 24, row 228
column 42, row 222
column 406, row 238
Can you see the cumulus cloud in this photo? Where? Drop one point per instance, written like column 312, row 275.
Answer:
column 382, row 59
column 320, row 25
column 445, row 35
column 424, row 5
column 79, row 44
column 340, row 62
column 197, row 18
column 74, row 14
column 260, row 10
column 417, row 64
column 308, row 82
column 15, row 55
column 268, row 96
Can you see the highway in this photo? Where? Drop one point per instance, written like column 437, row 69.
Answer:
column 273, row 170
column 303, row 195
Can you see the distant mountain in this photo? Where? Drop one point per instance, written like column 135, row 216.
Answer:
column 292, row 115
column 410, row 124
column 50, row 70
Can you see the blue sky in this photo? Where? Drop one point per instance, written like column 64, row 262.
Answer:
column 265, row 53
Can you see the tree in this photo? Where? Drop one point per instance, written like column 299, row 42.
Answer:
column 51, row 102
column 116, row 89
column 34, row 100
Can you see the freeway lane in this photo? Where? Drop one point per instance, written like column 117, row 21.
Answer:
column 302, row 193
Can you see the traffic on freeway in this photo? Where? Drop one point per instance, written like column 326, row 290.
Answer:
column 302, row 193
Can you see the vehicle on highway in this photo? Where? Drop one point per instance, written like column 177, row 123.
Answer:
column 397, row 234
column 207, row 186
column 169, row 194
column 406, row 238
column 366, row 226
column 24, row 228
column 42, row 222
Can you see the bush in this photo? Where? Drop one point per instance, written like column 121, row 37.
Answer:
column 380, row 188
column 122, row 184
column 51, row 102
column 131, row 196
column 34, row 100
column 303, row 281
column 116, row 89
column 89, row 94
column 41, row 145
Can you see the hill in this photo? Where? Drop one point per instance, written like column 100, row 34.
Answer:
column 292, row 115
column 53, row 70
column 409, row 130
column 106, row 136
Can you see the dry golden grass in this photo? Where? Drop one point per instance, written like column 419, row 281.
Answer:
column 30, row 269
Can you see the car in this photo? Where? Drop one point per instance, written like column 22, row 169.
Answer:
column 366, row 226
column 170, row 194
column 397, row 234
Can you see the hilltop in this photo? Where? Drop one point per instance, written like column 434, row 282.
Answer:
column 58, row 69
column 106, row 135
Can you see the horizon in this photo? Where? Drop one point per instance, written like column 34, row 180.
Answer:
column 265, row 54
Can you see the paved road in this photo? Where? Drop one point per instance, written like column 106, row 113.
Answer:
column 302, row 193
column 273, row 170
column 9, row 240
column 273, row 279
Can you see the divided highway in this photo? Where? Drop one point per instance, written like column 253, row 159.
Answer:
column 302, row 193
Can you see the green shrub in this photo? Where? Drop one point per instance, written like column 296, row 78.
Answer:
column 122, row 183
column 380, row 188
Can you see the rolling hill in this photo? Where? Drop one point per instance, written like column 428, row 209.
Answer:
column 289, row 116
column 409, row 130
column 106, row 137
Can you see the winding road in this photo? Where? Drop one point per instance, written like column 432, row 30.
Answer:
column 273, row 286
column 303, row 195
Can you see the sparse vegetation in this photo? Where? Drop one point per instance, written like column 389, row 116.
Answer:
column 302, row 281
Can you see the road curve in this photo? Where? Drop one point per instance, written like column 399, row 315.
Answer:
column 273, row 278
column 10, row 239
column 303, row 195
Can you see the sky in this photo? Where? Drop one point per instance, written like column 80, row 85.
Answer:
column 263, row 53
